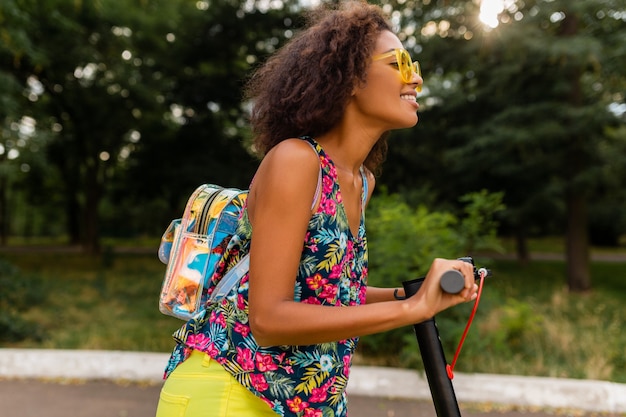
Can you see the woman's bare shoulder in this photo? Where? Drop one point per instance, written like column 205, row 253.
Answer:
column 293, row 157
column 289, row 170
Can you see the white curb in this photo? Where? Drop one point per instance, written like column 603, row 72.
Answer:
column 588, row 395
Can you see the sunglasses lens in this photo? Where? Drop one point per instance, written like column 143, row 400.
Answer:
column 404, row 64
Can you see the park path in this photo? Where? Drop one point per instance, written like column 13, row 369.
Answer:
column 41, row 398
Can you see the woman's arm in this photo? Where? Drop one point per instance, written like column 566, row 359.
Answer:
column 280, row 209
column 377, row 294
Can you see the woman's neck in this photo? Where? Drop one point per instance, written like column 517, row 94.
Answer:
column 348, row 149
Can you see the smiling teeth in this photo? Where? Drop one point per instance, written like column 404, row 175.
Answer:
column 408, row 97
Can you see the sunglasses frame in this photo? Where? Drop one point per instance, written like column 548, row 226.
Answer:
column 406, row 66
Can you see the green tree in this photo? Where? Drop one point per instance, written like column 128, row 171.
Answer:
column 141, row 100
column 13, row 145
column 88, row 92
column 523, row 108
column 207, row 63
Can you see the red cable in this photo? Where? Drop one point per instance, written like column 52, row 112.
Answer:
column 450, row 368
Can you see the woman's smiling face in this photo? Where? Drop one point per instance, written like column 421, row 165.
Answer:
column 385, row 97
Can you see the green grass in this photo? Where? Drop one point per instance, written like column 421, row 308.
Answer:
column 93, row 306
column 556, row 244
column 530, row 324
column 527, row 323
column 145, row 242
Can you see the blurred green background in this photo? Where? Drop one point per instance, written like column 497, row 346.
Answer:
column 112, row 112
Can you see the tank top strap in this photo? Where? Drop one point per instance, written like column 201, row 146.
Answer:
column 365, row 187
column 320, row 152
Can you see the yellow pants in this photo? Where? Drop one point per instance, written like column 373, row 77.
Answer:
column 202, row 387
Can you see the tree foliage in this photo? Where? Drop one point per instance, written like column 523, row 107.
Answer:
column 112, row 112
column 403, row 241
column 139, row 99
column 523, row 109
column 207, row 63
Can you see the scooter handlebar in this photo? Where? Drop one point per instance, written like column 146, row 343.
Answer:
column 452, row 281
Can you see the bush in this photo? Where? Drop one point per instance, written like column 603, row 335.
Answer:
column 19, row 293
column 402, row 243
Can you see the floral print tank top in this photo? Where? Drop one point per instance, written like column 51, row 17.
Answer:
column 295, row 381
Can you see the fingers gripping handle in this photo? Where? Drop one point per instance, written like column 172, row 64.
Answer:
column 452, row 281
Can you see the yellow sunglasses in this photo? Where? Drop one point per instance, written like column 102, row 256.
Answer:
column 404, row 64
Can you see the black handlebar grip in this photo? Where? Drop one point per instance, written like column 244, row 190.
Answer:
column 452, row 281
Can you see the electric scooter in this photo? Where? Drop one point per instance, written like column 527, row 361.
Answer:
column 438, row 372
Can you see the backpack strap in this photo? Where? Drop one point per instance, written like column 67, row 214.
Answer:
column 318, row 189
column 231, row 278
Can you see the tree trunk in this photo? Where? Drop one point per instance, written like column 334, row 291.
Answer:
column 73, row 218
column 91, row 240
column 521, row 246
column 577, row 244
column 4, row 221
column 577, row 235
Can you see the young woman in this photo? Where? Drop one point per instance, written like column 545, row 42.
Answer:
column 282, row 342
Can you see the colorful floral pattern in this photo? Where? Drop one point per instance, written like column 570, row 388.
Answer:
column 295, row 381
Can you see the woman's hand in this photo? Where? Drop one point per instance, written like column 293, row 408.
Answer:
column 430, row 299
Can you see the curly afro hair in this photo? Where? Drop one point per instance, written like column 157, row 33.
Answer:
column 305, row 87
